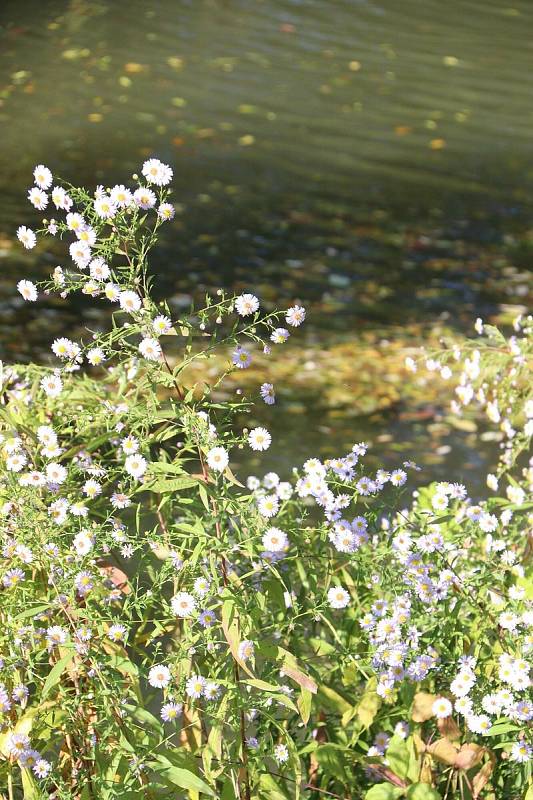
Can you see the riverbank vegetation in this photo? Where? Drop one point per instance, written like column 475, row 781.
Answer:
column 172, row 628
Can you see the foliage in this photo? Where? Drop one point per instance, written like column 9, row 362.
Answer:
column 170, row 631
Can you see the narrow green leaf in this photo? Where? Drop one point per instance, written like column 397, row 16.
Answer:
column 55, row 673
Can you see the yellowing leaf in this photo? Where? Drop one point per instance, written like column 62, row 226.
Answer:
column 422, row 709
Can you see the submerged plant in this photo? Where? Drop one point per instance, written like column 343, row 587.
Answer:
column 170, row 628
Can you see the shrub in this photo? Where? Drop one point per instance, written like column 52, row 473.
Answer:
column 170, row 631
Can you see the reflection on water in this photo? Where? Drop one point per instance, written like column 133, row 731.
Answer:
column 371, row 159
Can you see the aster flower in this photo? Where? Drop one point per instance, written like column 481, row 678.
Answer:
column 38, row 198
column 268, row 394
column 104, row 207
column 144, row 198
column 159, row 676
column 259, row 439
column 28, row 290
column 183, row 604
column 281, row 753
column 117, row 633
column 129, row 301
column 43, row 176
column 135, row 465
column 279, row 335
column 218, row 458
column 150, row 349
column 246, row 304
column 166, row 211
column 295, row 316
column 246, row 650
column 338, row 597
column 275, row 540
column 26, row 237
column 195, row 686
column 120, row 196
column 442, row 708
column 170, row 711
column 241, row 358
column 156, row 172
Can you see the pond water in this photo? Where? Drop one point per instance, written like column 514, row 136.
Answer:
column 370, row 159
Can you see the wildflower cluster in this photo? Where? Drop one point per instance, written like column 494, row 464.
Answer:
column 167, row 627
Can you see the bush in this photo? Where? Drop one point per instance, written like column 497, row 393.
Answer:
column 169, row 631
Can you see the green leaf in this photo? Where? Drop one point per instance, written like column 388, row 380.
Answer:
column 398, row 756
column 29, row 785
column 369, row 705
column 269, row 789
column 166, row 486
column 334, row 700
column 499, row 729
column 55, row 673
column 304, row 704
column 384, row 791
column 422, row 791
column 185, row 779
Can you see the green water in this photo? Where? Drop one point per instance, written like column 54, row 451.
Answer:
column 370, row 159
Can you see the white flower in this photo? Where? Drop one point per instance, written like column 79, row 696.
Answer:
column 246, row 650
column 144, row 198
column 338, row 597
column 61, row 199
column 99, row 270
column 275, row 540
column 56, row 473
column 439, row 501
column 246, row 304
column 129, row 445
column 268, row 506
column 442, row 708
column 112, row 292
column 183, row 604
column 65, row 348
column 150, row 349
column 268, row 394
column 135, row 465
column 281, row 753
column 121, row 196
column 28, row 290
column 280, row 335
column 26, row 236
column 218, row 458
column 516, row 495
column 295, row 316
column 95, row 356
column 16, row 462
column 156, row 172
column 80, row 252
column 159, row 676
column 75, row 222
column 51, row 385
column 38, row 198
column 105, row 207
column 43, row 176
column 398, row 477
column 92, row 488
column 166, row 211
column 162, row 325
column 259, row 439
column 201, row 586
column 129, row 301
column 83, row 543
column 520, row 752
column 195, row 686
